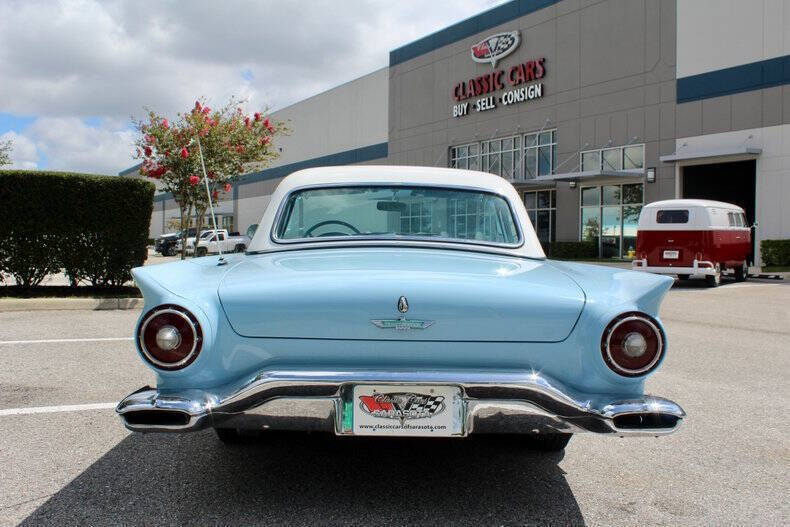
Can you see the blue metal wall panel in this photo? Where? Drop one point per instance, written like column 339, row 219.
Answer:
column 349, row 157
column 746, row 77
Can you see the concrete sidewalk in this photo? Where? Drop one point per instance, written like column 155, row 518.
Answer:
column 81, row 304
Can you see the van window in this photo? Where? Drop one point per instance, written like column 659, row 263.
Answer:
column 743, row 219
column 736, row 219
column 672, row 216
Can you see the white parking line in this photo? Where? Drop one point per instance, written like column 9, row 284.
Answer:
column 56, row 409
column 53, row 341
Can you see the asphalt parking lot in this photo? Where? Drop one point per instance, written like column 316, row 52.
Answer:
column 728, row 365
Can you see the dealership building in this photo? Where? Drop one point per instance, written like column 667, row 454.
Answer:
column 590, row 108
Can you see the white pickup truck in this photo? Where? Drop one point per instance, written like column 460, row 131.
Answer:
column 221, row 239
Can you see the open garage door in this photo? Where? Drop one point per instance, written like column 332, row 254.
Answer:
column 729, row 182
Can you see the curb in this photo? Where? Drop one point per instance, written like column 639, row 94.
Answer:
column 72, row 304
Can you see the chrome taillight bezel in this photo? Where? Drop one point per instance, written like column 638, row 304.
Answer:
column 606, row 342
column 191, row 323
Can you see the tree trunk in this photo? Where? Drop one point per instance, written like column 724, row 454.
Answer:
column 186, row 221
column 199, row 213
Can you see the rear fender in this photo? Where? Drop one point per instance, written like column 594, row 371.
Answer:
column 611, row 292
column 191, row 285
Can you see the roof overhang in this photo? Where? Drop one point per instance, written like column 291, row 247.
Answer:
column 537, row 182
column 690, row 154
column 590, row 175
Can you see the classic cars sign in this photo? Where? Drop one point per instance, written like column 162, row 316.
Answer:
column 519, row 78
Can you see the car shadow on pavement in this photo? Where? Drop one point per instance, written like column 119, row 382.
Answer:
column 315, row 479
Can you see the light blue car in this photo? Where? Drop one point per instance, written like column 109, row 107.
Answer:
column 399, row 301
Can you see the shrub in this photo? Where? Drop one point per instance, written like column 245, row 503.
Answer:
column 94, row 227
column 571, row 250
column 775, row 253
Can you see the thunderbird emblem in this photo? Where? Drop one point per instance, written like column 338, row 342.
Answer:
column 403, row 304
column 402, row 323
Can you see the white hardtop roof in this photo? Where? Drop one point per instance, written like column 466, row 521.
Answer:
column 397, row 175
column 681, row 203
column 364, row 174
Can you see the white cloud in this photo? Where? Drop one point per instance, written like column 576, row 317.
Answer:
column 76, row 59
column 70, row 144
column 23, row 154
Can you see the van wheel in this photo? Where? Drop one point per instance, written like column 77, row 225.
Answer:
column 742, row 272
column 240, row 248
column 683, row 277
column 714, row 280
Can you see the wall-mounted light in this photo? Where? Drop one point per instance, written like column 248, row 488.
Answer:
column 651, row 175
column 572, row 184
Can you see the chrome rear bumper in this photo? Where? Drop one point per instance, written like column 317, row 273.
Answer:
column 699, row 268
column 494, row 402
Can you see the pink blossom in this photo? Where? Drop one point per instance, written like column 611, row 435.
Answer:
column 184, row 153
column 227, row 187
column 194, row 180
column 165, row 124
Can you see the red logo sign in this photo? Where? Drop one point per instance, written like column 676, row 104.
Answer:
column 495, row 47
column 401, row 405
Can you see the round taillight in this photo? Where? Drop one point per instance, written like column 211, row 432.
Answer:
column 632, row 344
column 170, row 337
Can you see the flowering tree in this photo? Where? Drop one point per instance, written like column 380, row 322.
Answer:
column 5, row 152
column 229, row 139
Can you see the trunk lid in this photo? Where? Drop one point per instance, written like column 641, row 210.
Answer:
column 354, row 294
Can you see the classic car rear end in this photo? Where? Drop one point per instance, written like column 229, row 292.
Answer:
column 442, row 330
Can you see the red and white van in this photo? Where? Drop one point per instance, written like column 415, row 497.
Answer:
column 693, row 238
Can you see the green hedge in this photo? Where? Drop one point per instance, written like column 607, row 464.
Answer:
column 571, row 250
column 95, row 228
column 775, row 253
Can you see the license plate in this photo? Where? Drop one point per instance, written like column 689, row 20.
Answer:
column 398, row 410
column 671, row 255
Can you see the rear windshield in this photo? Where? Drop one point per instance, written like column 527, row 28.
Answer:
column 672, row 216
column 397, row 211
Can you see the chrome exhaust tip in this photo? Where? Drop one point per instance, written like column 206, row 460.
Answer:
column 646, row 421
column 155, row 418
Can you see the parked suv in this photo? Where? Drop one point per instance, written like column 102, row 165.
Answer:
column 166, row 244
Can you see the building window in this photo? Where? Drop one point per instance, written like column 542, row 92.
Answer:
column 540, row 154
column 541, row 206
column 610, row 217
column 501, row 157
column 226, row 222
column 631, row 157
column 468, row 219
column 465, row 156
column 417, row 218
column 516, row 158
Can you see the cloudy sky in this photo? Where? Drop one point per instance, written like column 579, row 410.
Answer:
column 73, row 73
